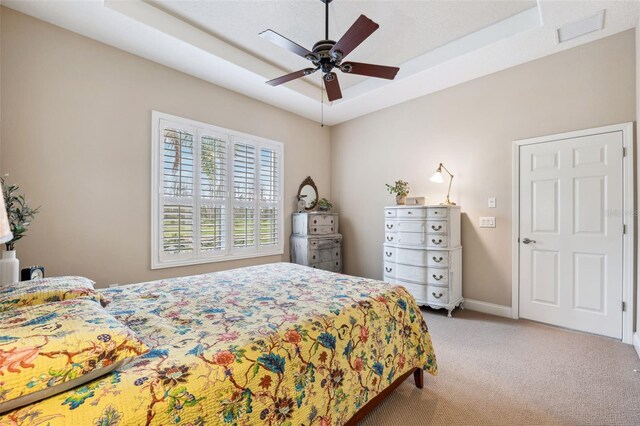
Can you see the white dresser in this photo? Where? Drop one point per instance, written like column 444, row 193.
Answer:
column 422, row 252
column 315, row 241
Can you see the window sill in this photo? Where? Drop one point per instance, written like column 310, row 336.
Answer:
column 155, row 264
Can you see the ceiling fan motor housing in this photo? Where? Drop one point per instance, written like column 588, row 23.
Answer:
column 323, row 59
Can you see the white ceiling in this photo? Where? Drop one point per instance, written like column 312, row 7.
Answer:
column 408, row 28
column 437, row 44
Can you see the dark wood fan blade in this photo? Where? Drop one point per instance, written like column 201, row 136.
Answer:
column 291, row 76
column 282, row 41
column 359, row 31
column 370, row 70
column 332, row 86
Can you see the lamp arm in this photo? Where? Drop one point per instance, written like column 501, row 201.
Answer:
column 449, row 190
column 447, row 170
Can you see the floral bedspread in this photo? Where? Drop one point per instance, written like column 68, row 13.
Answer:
column 278, row 344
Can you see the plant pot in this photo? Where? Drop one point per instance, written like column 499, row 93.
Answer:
column 9, row 268
column 401, row 200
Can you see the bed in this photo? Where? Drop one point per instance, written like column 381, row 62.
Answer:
column 271, row 344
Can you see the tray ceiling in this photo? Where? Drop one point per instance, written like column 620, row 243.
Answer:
column 436, row 44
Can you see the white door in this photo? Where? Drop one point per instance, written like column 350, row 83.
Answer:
column 571, row 233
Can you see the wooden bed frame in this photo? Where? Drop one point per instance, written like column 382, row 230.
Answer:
column 418, row 376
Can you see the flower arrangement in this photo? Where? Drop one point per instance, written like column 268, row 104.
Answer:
column 400, row 188
column 19, row 212
column 324, row 205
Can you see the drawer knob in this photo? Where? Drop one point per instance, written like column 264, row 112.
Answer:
column 389, row 226
column 331, row 220
column 315, row 229
column 437, row 278
column 436, row 212
column 314, row 256
column 389, row 238
column 439, row 227
column 409, row 212
column 315, row 221
column 438, row 296
column 436, row 242
column 438, row 260
column 388, row 253
column 336, row 263
column 332, row 229
column 337, row 241
column 337, row 253
column 388, row 269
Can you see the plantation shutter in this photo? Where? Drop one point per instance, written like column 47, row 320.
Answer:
column 269, row 197
column 213, row 193
column 177, row 177
column 217, row 193
column 244, row 195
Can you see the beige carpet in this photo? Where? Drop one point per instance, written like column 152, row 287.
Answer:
column 496, row 371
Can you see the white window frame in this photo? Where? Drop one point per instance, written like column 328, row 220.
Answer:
column 158, row 258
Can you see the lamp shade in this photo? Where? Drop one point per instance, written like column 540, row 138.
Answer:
column 5, row 230
column 437, row 177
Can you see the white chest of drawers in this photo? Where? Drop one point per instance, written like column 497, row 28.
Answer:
column 315, row 241
column 422, row 252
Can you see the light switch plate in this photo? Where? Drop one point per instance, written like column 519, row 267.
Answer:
column 491, row 202
column 488, row 222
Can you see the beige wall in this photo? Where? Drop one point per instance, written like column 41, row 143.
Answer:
column 470, row 128
column 76, row 137
column 637, row 32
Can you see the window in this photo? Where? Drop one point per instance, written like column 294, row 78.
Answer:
column 216, row 195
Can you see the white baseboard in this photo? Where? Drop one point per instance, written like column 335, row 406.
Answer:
column 488, row 308
column 636, row 341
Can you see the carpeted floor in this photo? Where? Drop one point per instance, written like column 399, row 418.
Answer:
column 497, row 371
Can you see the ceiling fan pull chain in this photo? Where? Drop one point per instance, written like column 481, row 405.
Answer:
column 322, row 106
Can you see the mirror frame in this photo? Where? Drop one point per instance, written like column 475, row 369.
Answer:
column 309, row 181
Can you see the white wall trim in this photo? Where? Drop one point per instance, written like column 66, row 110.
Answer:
column 636, row 342
column 488, row 308
column 628, row 255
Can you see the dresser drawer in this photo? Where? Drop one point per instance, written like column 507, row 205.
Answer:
column 411, row 226
column 411, row 238
column 390, row 237
column 415, row 274
column 438, row 276
column 437, row 294
column 324, row 255
column 321, row 220
column 411, row 257
column 390, row 226
column 436, row 241
column 433, row 212
column 332, row 265
column 419, row 292
column 412, row 213
column 390, row 212
column 438, row 258
column 389, row 253
column 321, row 229
column 436, row 226
column 323, row 243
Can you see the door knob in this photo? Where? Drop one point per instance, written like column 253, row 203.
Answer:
column 528, row 241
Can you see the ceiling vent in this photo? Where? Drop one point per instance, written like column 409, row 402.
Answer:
column 580, row 28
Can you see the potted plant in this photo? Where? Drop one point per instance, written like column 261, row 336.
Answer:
column 20, row 215
column 324, row 205
column 401, row 189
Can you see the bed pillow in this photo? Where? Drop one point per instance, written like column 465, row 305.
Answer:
column 54, row 289
column 50, row 348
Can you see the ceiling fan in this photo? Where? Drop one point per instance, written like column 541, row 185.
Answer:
column 327, row 55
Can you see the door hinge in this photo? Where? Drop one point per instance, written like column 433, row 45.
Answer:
column 624, row 229
column 624, row 151
column 624, row 306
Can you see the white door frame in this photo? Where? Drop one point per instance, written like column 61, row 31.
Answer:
column 628, row 255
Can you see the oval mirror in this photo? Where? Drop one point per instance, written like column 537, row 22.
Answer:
column 309, row 193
